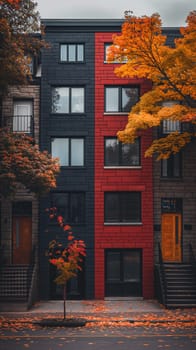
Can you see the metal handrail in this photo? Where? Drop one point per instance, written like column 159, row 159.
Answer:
column 163, row 275
column 192, row 258
column 33, row 269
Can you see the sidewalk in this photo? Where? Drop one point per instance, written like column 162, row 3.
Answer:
column 96, row 307
column 128, row 308
column 106, row 312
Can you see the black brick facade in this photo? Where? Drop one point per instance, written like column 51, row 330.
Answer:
column 81, row 179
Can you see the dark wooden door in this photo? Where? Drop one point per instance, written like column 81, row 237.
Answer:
column 22, row 239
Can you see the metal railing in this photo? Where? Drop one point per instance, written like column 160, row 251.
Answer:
column 192, row 258
column 162, row 278
column 33, row 271
column 19, row 123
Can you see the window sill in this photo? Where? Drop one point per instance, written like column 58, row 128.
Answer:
column 55, row 223
column 72, row 62
column 116, row 113
column 178, row 179
column 71, row 167
column 115, row 62
column 123, row 167
column 78, row 114
column 122, row 223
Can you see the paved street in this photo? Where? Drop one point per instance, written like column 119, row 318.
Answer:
column 106, row 338
column 116, row 325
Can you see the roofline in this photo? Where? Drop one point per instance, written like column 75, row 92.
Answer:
column 88, row 22
column 84, row 22
column 91, row 25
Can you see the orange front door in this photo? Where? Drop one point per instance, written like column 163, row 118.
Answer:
column 171, row 237
column 22, row 239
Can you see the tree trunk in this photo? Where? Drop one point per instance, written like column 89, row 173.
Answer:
column 64, row 301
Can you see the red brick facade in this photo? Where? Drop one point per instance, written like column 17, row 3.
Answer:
column 135, row 179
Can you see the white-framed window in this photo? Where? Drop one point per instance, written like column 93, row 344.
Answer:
column 119, row 99
column 106, row 52
column 169, row 125
column 23, row 113
column 69, row 150
column 72, row 53
column 68, row 100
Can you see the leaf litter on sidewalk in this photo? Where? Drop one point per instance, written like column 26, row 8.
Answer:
column 170, row 319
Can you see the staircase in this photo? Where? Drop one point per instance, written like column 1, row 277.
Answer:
column 180, row 285
column 14, row 287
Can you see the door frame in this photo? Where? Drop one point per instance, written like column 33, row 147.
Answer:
column 136, row 285
column 22, row 210
column 176, row 238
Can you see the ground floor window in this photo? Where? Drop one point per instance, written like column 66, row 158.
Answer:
column 75, row 286
column 123, row 272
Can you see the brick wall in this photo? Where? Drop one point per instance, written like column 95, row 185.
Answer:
column 19, row 92
column 184, row 188
column 71, row 179
column 140, row 179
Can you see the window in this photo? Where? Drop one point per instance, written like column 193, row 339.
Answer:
column 71, row 205
column 22, row 120
column 123, row 272
column 70, row 151
column 106, row 51
column 171, row 167
column 120, row 98
column 169, row 125
column 72, row 52
column 68, row 100
column 122, row 207
column 30, row 62
column 121, row 154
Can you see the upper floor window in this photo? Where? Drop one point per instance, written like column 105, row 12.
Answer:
column 169, row 126
column 72, row 52
column 23, row 116
column 121, row 154
column 120, row 99
column 70, row 205
column 30, row 62
column 122, row 207
column 70, row 151
column 68, row 100
column 172, row 167
column 106, row 52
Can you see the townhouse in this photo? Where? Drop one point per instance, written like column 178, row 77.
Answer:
column 134, row 214
column 105, row 188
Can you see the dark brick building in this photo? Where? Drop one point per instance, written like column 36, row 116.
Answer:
column 119, row 202
column 108, row 185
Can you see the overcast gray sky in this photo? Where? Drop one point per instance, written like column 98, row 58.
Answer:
column 172, row 12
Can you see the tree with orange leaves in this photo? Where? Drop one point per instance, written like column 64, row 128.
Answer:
column 172, row 70
column 19, row 26
column 22, row 162
column 66, row 258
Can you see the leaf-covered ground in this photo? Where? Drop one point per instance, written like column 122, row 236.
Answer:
column 169, row 319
